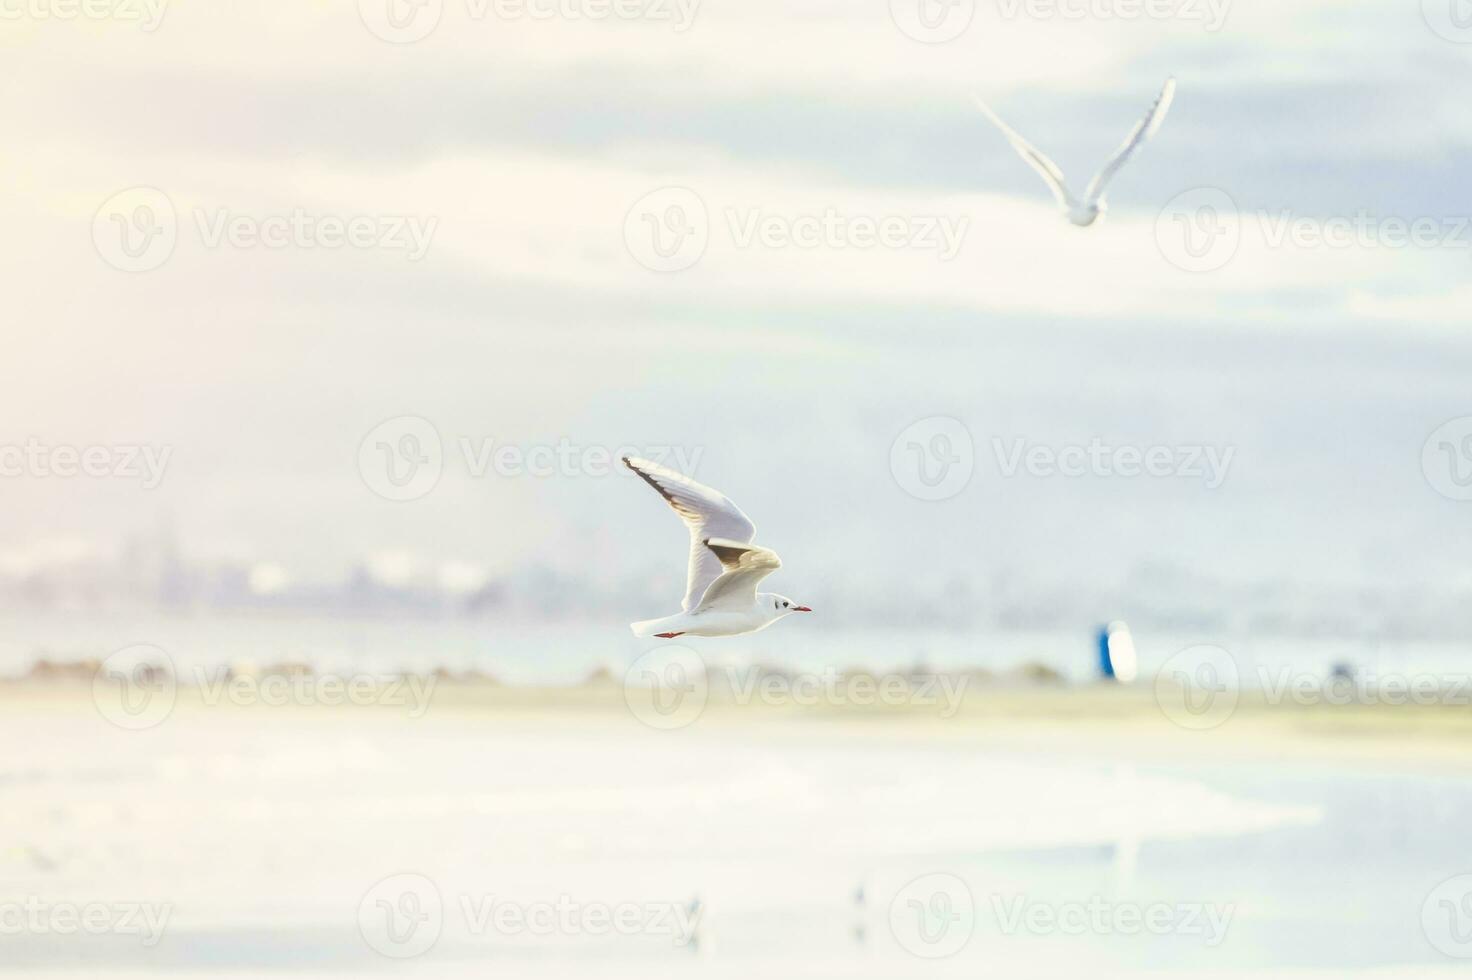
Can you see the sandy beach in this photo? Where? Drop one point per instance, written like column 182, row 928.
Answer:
column 760, row 832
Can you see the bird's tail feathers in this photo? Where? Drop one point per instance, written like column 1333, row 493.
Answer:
column 646, row 627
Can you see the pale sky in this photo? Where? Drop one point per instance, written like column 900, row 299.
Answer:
column 519, row 146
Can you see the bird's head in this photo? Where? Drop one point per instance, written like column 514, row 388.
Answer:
column 1084, row 215
column 780, row 605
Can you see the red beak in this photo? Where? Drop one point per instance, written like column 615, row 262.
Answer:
column 801, row 609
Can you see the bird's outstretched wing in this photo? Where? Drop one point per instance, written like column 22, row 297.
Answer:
column 745, row 566
column 1046, row 168
column 1144, row 129
column 706, row 512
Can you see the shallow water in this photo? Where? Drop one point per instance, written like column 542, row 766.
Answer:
column 268, row 840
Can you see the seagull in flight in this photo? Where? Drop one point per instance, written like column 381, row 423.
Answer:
column 725, row 567
column 1085, row 212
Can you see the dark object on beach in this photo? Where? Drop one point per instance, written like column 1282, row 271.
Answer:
column 288, row 669
column 600, row 675
column 1039, row 673
column 1106, row 666
column 50, row 670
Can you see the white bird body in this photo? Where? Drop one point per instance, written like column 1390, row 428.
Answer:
column 725, row 567
column 721, row 622
column 1092, row 206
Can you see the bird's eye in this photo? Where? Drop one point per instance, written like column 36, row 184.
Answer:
column 786, row 604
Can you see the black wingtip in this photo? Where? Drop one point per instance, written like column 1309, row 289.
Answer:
column 653, row 483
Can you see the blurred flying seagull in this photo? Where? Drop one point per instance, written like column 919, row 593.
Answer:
column 725, row 567
column 1086, row 212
